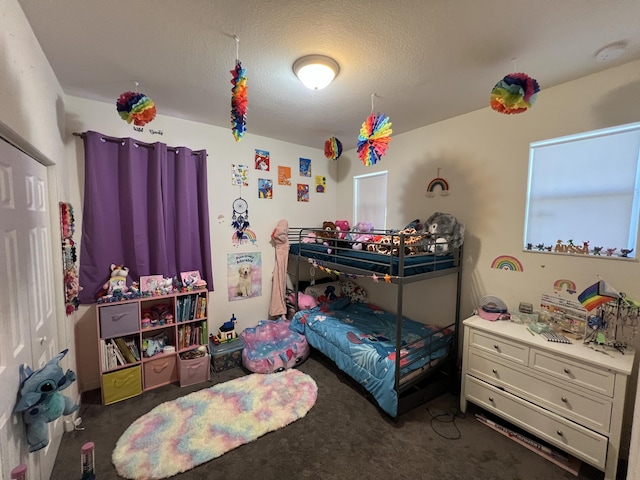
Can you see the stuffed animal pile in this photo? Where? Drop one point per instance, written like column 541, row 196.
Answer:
column 41, row 401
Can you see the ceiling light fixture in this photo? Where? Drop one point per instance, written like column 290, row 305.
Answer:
column 316, row 71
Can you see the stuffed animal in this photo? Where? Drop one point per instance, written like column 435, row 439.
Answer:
column 117, row 283
column 343, row 228
column 305, row 302
column 361, row 235
column 41, row 401
column 328, row 232
column 445, row 233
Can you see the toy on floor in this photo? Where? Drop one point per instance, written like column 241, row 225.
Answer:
column 88, row 461
column 272, row 347
column 41, row 401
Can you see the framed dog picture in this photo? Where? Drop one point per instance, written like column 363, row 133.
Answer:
column 190, row 278
column 150, row 283
column 244, row 275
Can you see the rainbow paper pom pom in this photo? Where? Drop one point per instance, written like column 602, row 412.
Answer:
column 136, row 108
column 238, row 102
column 374, row 138
column 333, row 148
column 515, row 93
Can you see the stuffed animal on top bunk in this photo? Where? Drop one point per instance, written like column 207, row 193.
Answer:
column 361, row 235
column 445, row 233
column 327, row 235
column 343, row 229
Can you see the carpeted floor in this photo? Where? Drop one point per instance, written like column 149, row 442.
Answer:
column 344, row 436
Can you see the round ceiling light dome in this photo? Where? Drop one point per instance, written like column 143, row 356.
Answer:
column 316, row 71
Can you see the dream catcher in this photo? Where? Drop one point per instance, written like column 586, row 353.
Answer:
column 374, row 138
column 240, row 217
column 136, row 107
column 238, row 97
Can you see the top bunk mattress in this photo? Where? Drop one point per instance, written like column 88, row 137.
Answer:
column 404, row 266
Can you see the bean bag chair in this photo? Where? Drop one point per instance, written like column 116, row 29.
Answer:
column 272, row 347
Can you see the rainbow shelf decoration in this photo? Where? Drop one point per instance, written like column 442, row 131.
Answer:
column 507, row 262
column 434, row 184
column 563, row 283
column 136, row 108
column 239, row 102
column 246, row 236
column 374, row 138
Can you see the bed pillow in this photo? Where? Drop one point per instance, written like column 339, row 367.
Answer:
column 355, row 292
column 325, row 292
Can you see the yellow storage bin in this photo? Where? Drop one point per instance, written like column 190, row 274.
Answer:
column 121, row 384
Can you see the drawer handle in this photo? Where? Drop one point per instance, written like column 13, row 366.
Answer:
column 559, row 432
column 497, row 347
column 567, row 371
column 495, row 371
column 115, row 318
column 160, row 368
column 491, row 399
column 564, row 399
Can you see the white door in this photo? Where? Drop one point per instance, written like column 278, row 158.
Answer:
column 28, row 329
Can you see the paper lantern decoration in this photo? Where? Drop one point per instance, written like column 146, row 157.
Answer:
column 515, row 93
column 333, row 148
column 136, row 107
column 238, row 101
column 374, row 138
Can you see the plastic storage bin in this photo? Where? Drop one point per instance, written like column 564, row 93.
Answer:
column 226, row 355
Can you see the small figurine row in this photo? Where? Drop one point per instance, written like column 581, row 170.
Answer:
column 570, row 247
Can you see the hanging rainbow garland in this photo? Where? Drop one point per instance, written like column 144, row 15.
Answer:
column 319, row 265
column 136, row 108
column 333, row 148
column 515, row 93
column 239, row 102
column 374, row 138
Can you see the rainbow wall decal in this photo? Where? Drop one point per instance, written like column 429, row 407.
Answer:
column 248, row 235
column 437, row 182
column 507, row 262
column 563, row 283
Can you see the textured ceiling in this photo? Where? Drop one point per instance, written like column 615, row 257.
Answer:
column 425, row 60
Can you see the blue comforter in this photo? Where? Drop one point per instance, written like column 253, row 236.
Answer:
column 361, row 339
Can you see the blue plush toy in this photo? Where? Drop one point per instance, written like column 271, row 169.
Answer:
column 41, row 401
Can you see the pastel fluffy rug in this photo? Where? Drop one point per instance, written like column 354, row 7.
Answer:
column 183, row 433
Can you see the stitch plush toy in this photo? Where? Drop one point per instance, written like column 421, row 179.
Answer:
column 41, row 401
column 117, row 283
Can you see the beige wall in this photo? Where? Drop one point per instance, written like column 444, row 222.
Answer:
column 223, row 150
column 484, row 157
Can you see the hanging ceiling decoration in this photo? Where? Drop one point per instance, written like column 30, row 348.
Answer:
column 374, row 138
column 136, row 107
column 515, row 93
column 238, row 98
column 333, row 148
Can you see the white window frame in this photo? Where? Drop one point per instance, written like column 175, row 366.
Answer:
column 585, row 188
column 370, row 199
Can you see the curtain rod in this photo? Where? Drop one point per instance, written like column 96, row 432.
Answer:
column 113, row 139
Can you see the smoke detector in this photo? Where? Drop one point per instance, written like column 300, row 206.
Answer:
column 611, row 52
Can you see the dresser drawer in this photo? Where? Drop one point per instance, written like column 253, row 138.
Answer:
column 566, row 435
column 510, row 350
column 159, row 371
column 122, row 384
column 592, row 378
column 119, row 320
column 588, row 410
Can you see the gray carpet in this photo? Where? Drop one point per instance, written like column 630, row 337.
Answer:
column 344, row 436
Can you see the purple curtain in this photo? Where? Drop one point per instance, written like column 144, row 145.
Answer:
column 146, row 207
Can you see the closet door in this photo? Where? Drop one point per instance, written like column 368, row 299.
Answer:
column 27, row 314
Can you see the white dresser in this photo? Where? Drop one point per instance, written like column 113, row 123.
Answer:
column 567, row 395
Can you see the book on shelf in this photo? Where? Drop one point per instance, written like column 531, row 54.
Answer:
column 192, row 306
column 118, row 353
column 124, row 349
column 133, row 348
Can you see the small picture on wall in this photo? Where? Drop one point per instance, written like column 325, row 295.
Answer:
column 240, row 175
column 265, row 188
column 305, row 167
column 262, row 160
column 284, row 175
column 244, row 275
column 321, row 184
column 303, row 192
column 190, row 278
column 150, row 283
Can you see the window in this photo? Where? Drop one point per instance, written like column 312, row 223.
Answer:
column 584, row 193
column 370, row 199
